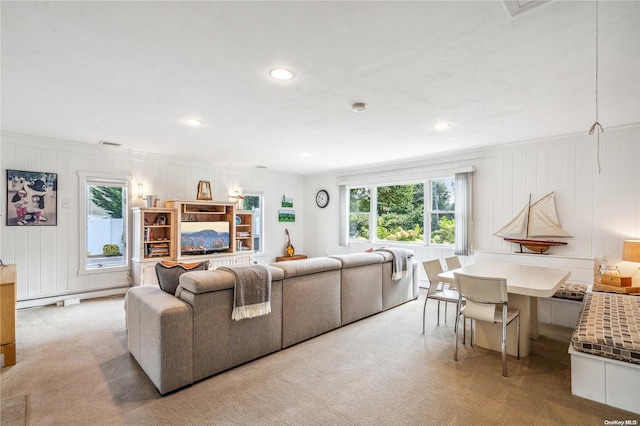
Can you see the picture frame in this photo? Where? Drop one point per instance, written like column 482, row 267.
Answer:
column 286, row 215
column 32, row 198
column 286, row 202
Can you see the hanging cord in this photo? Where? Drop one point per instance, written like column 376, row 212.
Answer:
column 596, row 127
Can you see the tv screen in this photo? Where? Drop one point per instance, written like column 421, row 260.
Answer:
column 203, row 237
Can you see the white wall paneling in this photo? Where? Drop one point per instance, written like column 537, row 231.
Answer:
column 598, row 209
column 47, row 257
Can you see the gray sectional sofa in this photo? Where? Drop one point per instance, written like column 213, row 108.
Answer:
column 182, row 338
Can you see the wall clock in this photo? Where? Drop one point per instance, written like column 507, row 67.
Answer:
column 322, row 198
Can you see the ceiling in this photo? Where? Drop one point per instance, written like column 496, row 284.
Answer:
column 131, row 72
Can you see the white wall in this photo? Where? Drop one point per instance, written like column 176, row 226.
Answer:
column 48, row 257
column 599, row 209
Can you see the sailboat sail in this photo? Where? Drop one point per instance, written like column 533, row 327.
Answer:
column 538, row 220
column 517, row 226
column 543, row 219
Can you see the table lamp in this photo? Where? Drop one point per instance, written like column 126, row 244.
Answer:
column 631, row 253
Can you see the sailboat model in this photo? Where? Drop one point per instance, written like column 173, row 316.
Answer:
column 534, row 224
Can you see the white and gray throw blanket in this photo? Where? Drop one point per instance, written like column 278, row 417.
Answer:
column 399, row 263
column 252, row 291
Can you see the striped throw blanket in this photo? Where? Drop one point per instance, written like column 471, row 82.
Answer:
column 252, row 291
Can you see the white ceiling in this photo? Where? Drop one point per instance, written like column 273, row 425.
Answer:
column 130, row 72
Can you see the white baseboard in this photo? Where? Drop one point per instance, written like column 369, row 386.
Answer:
column 52, row 300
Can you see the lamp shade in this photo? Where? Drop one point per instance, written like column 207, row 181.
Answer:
column 631, row 250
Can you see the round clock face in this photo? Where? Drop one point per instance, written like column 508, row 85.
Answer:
column 322, row 198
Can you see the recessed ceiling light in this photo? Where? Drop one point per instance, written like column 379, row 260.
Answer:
column 282, row 74
column 193, row 122
column 442, row 126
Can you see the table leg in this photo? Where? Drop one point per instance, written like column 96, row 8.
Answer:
column 533, row 325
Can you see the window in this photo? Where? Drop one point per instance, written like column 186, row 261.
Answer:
column 442, row 212
column 103, row 223
column 401, row 211
column 254, row 202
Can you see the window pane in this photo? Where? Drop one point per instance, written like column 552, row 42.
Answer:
column 443, row 191
column 401, row 212
column 442, row 228
column 442, row 213
column 106, row 232
column 359, row 212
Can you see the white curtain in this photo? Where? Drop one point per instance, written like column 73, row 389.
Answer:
column 343, row 193
column 463, row 213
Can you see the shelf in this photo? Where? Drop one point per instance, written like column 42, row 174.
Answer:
column 153, row 238
column 155, row 241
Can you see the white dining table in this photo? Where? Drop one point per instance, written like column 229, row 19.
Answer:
column 525, row 284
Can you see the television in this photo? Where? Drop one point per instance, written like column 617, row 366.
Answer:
column 198, row 238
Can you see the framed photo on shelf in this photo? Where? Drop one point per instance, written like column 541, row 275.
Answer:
column 32, row 198
column 161, row 220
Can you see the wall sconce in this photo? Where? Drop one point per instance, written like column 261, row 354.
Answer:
column 631, row 253
column 237, row 198
column 140, row 190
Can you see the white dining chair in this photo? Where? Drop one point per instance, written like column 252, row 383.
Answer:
column 485, row 299
column 437, row 290
column 453, row 262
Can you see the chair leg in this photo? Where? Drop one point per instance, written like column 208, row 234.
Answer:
column 438, row 322
column 504, row 346
column 445, row 311
column 455, row 334
column 424, row 311
column 464, row 330
column 518, row 325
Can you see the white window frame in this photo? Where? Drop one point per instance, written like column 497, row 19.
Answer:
column 252, row 192
column 86, row 179
column 428, row 211
column 373, row 213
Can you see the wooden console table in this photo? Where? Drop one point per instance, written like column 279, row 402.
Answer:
column 8, row 301
column 294, row 257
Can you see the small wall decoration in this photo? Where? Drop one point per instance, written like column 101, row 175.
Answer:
column 286, row 215
column 204, row 190
column 286, row 202
column 32, row 198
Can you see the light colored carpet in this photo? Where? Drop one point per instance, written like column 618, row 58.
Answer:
column 74, row 369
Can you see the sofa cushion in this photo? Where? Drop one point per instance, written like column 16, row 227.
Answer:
column 199, row 282
column 295, row 268
column 353, row 260
column 609, row 326
column 571, row 291
column 169, row 273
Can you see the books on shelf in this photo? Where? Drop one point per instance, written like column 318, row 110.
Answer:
column 160, row 249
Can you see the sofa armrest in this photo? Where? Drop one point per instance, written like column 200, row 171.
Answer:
column 160, row 336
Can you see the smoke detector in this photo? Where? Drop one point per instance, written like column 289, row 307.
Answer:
column 359, row 107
